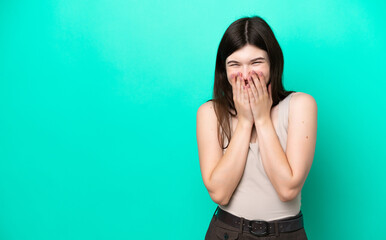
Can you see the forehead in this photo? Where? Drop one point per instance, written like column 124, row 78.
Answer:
column 247, row 52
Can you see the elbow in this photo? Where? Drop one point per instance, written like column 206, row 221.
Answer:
column 218, row 194
column 224, row 202
column 219, row 198
column 288, row 195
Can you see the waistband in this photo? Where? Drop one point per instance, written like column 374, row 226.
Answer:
column 259, row 227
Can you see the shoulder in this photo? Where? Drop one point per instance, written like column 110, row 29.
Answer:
column 302, row 104
column 302, row 100
column 206, row 111
column 205, row 107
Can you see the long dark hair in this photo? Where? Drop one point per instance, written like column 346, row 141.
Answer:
column 248, row 30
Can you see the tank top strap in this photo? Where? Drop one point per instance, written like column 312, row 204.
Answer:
column 284, row 110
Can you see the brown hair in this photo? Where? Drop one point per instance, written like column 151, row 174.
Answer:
column 248, row 30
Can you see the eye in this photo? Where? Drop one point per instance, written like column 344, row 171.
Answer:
column 256, row 62
column 233, row 65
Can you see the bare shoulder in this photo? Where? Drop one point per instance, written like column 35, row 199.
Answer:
column 206, row 121
column 301, row 100
column 206, row 109
column 302, row 106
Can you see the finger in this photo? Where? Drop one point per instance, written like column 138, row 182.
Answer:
column 233, row 83
column 239, row 87
column 251, row 95
column 236, row 89
column 257, row 82
column 245, row 93
column 253, row 88
column 270, row 91
column 232, row 79
column 264, row 87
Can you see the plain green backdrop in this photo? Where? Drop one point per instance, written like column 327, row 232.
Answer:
column 98, row 103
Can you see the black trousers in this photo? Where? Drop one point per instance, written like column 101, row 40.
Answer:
column 220, row 230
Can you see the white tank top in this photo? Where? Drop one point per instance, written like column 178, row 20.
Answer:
column 255, row 198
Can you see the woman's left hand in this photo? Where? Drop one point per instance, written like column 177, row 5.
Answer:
column 260, row 98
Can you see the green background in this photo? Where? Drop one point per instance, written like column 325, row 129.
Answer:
column 98, row 103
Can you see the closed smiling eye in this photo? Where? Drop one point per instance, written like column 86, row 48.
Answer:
column 237, row 64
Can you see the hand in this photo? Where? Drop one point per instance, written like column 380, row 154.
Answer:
column 259, row 97
column 241, row 99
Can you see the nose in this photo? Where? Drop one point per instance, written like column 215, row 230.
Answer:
column 246, row 72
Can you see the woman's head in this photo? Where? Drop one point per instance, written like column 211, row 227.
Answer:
column 247, row 44
column 244, row 40
column 245, row 60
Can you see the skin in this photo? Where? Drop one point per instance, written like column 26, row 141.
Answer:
column 288, row 170
column 243, row 65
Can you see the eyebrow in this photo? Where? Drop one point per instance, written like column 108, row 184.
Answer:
column 258, row 58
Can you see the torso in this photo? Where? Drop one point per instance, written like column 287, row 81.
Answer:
column 274, row 116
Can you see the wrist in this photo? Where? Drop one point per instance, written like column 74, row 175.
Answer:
column 245, row 123
column 262, row 122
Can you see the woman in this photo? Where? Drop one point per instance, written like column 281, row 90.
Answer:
column 256, row 141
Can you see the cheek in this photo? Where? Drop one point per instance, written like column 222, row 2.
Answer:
column 264, row 71
column 229, row 73
column 266, row 74
column 262, row 68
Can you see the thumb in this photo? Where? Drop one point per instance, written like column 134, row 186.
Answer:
column 270, row 91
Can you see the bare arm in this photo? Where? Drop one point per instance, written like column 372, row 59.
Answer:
column 229, row 170
column 288, row 171
column 221, row 173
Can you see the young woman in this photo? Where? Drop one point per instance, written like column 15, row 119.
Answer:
column 256, row 141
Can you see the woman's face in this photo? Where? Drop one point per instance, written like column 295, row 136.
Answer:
column 247, row 59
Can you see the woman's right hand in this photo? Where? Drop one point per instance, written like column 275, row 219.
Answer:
column 241, row 99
